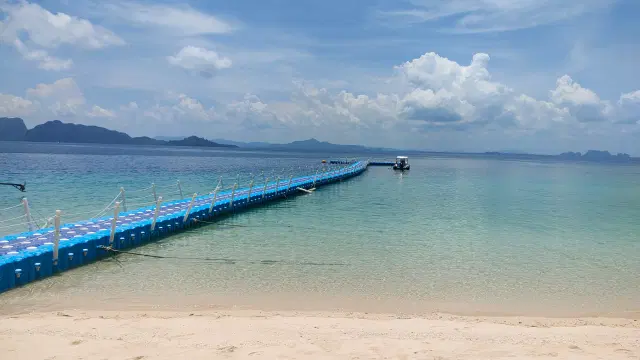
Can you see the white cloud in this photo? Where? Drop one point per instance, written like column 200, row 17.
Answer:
column 132, row 106
column 629, row 108
column 475, row 16
column 62, row 98
column 177, row 108
column 15, row 106
column 437, row 94
column 204, row 62
column 584, row 104
column 97, row 111
column 46, row 61
column 28, row 26
column 183, row 20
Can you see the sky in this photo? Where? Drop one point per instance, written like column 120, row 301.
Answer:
column 538, row 76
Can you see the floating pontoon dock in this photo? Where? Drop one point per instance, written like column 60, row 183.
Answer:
column 37, row 254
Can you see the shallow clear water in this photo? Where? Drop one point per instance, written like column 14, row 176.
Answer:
column 453, row 234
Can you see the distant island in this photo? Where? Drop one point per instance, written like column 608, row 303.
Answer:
column 590, row 155
column 14, row 129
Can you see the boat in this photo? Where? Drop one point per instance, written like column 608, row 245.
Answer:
column 402, row 163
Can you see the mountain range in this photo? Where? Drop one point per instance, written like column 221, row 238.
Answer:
column 14, row 129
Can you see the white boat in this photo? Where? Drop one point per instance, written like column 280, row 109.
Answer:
column 402, row 163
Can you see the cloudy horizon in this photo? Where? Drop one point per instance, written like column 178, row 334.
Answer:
column 459, row 75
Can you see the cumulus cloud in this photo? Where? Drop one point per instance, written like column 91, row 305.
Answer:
column 31, row 29
column 629, row 108
column 11, row 105
column 63, row 97
column 97, row 111
column 204, row 62
column 436, row 93
column 178, row 107
column 427, row 95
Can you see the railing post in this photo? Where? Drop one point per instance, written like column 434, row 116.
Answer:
column 250, row 188
column 124, row 200
column 186, row 215
column 264, row 189
column 289, row 185
column 155, row 195
column 56, row 237
column 114, row 222
column 180, row 189
column 213, row 201
column 314, row 179
column 233, row 194
column 155, row 213
column 219, row 186
column 277, row 185
column 27, row 213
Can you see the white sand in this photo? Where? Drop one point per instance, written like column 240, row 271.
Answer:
column 289, row 335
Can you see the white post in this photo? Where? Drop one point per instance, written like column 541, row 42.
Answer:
column 186, row 215
column 289, row 185
column 155, row 195
column 156, row 212
column 277, row 185
column 180, row 189
column 314, row 179
column 264, row 189
column 56, row 237
column 114, row 222
column 250, row 188
column 124, row 200
column 219, row 186
column 233, row 194
column 213, row 201
column 27, row 213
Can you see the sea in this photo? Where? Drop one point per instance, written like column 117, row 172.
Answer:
column 463, row 235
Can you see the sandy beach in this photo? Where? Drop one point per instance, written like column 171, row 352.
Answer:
column 301, row 335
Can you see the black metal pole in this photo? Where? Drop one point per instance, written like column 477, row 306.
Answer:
column 21, row 187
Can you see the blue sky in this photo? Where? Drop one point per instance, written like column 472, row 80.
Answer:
column 460, row 75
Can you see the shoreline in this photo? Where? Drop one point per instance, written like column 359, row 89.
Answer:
column 240, row 334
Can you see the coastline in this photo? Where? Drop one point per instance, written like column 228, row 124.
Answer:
column 240, row 334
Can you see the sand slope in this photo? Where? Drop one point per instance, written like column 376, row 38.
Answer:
column 255, row 335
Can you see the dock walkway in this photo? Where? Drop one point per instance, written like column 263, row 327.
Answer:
column 35, row 255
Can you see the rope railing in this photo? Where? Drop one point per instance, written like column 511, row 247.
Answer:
column 15, row 218
column 13, row 225
column 265, row 181
column 11, row 207
column 140, row 190
column 139, row 197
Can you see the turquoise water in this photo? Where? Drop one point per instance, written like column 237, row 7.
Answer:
column 453, row 234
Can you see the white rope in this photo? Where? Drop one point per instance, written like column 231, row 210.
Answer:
column 167, row 186
column 15, row 218
column 14, row 225
column 140, row 190
column 141, row 204
column 108, row 206
column 138, row 197
column 64, row 213
column 11, row 207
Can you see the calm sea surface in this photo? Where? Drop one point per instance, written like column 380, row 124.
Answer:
column 453, row 234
